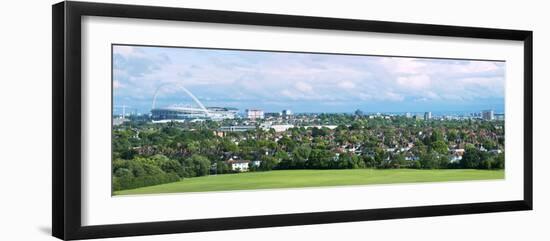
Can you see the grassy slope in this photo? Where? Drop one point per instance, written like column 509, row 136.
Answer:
column 313, row 178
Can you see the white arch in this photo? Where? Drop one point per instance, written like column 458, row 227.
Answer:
column 184, row 90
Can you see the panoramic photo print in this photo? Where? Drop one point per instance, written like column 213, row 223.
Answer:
column 203, row 120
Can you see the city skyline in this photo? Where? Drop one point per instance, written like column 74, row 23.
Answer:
column 304, row 82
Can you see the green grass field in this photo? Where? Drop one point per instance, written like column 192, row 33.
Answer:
column 314, row 178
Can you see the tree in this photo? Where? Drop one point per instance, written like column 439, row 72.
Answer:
column 398, row 161
column 268, row 163
column 379, row 156
column 357, row 161
column 368, row 161
column 356, row 126
column 499, row 161
column 193, row 147
column 319, row 132
column 486, row 164
column 195, row 166
column 429, row 160
column 440, row 147
column 489, row 144
column 287, row 143
column 300, row 155
column 229, row 146
column 416, row 164
column 281, row 155
column 167, row 165
column 437, row 135
column 222, row 167
column 139, row 172
column 320, row 159
column 345, row 161
column 452, row 135
column 128, row 154
column 473, row 158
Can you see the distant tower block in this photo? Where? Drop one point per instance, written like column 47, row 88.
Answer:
column 488, row 115
column 427, row 116
column 287, row 114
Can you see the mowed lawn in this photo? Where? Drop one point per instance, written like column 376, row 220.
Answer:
column 314, row 178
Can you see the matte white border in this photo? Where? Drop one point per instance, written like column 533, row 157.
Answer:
column 100, row 208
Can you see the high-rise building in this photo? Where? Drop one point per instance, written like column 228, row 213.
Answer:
column 287, row 114
column 488, row 115
column 427, row 116
column 254, row 114
column 408, row 115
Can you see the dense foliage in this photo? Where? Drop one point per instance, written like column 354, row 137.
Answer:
column 147, row 154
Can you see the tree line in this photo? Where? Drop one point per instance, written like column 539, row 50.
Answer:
column 147, row 154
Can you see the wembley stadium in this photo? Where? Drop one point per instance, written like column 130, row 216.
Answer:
column 176, row 113
column 184, row 113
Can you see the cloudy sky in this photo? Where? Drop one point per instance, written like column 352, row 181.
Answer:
column 303, row 82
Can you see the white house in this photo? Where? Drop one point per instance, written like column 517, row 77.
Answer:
column 238, row 165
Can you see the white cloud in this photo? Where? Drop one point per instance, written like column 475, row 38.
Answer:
column 491, row 82
column 392, row 96
column 304, row 87
column 431, row 95
column 346, row 84
column 415, row 82
column 289, row 94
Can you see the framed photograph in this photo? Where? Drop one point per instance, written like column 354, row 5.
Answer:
column 172, row 120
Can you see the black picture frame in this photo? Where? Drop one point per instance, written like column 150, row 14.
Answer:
column 66, row 127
